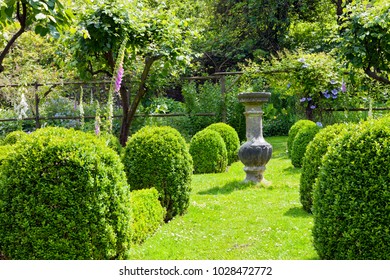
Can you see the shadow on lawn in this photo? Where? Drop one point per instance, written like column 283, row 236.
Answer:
column 297, row 212
column 228, row 188
column 292, row 170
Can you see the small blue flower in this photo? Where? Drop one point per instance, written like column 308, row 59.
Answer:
column 319, row 124
column 288, row 85
column 302, row 60
column 335, row 91
column 333, row 82
column 326, row 94
column 309, row 99
column 305, row 65
column 303, row 99
column 313, row 107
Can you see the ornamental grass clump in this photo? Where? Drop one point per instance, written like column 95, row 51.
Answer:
column 158, row 157
column 351, row 197
column 294, row 131
column 63, row 195
column 311, row 163
column 304, row 136
column 230, row 137
column 209, row 152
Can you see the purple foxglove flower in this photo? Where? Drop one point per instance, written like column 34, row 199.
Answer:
column 119, row 77
column 97, row 129
column 343, row 87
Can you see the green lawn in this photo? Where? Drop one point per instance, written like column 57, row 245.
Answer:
column 231, row 220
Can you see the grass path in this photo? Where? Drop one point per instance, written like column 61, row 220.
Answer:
column 231, row 220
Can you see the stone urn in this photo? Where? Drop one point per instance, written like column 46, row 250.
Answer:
column 256, row 152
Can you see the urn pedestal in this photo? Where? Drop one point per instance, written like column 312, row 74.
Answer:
column 256, row 152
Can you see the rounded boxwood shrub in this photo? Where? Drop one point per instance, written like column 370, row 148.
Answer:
column 312, row 161
column 208, row 151
column 301, row 140
column 147, row 214
column 351, row 197
column 158, row 157
column 294, row 131
column 63, row 195
column 111, row 141
column 13, row 137
column 230, row 137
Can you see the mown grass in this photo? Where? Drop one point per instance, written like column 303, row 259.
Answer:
column 232, row 220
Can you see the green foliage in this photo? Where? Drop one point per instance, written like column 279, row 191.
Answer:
column 304, row 136
column 209, row 152
column 111, row 141
column 230, row 138
column 63, row 195
column 158, row 157
column 4, row 151
column 14, row 137
column 351, row 212
column 311, row 163
column 364, row 38
column 147, row 214
column 294, row 131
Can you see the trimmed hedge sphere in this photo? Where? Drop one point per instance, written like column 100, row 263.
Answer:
column 147, row 213
column 13, row 137
column 351, row 197
column 63, row 195
column 294, row 131
column 301, row 140
column 230, row 137
column 209, row 152
column 312, row 161
column 158, row 157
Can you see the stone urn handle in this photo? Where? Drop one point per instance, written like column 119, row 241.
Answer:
column 256, row 152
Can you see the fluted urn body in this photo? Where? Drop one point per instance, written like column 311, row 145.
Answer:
column 256, row 152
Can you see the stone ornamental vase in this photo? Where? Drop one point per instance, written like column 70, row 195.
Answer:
column 256, row 152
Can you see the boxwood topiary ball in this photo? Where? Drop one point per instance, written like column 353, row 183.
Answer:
column 63, row 195
column 294, row 131
column 351, row 197
column 311, row 163
column 230, row 137
column 209, row 152
column 301, row 140
column 158, row 157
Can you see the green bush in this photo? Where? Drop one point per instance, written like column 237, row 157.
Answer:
column 159, row 157
column 208, row 151
column 111, row 141
column 147, row 214
column 230, row 137
column 301, row 140
column 312, row 161
column 351, row 197
column 63, row 195
column 13, row 137
column 294, row 131
column 4, row 151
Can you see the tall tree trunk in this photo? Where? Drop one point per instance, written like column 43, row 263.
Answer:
column 129, row 112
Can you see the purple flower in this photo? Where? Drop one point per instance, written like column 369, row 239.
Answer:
column 288, row 85
column 335, row 91
column 309, row 99
column 319, row 124
column 333, row 82
column 302, row 60
column 97, row 129
column 326, row 94
column 305, row 65
column 343, row 87
column 119, row 77
column 334, row 96
column 302, row 99
column 313, row 107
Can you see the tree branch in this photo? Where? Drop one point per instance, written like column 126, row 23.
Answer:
column 375, row 76
column 22, row 17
